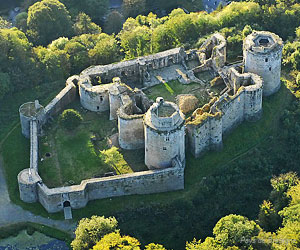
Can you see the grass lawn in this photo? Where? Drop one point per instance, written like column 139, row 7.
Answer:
column 74, row 155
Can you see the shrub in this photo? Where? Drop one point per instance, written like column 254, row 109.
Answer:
column 70, row 119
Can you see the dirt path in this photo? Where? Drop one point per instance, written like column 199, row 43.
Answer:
column 11, row 213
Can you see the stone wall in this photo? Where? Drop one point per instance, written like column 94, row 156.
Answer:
column 65, row 97
column 146, row 182
column 225, row 113
column 135, row 70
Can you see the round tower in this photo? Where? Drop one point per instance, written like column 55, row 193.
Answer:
column 164, row 135
column 27, row 180
column 29, row 111
column 262, row 56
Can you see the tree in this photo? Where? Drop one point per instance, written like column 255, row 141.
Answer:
column 48, row 20
column 136, row 42
column 78, row 55
column 84, row 25
column 96, row 9
column 90, row 231
column 55, row 63
column 116, row 241
column 113, row 23
column 132, row 8
column 17, row 58
column 4, row 24
column 235, row 230
column 5, row 84
column 153, row 246
column 106, row 50
column 21, row 21
column 114, row 158
column 268, row 217
column 70, row 119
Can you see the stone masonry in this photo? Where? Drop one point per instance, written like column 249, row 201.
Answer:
column 159, row 127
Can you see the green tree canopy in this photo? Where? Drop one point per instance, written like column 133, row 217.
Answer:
column 94, row 8
column 113, row 23
column 116, row 241
column 17, row 58
column 84, row 25
column 90, row 231
column 233, row 230
column 132, row 8
column 105, row 51
column 48, row 20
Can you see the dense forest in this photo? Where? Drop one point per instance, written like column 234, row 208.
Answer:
column 254, row 203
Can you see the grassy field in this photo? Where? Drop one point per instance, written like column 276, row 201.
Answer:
column 172, row 212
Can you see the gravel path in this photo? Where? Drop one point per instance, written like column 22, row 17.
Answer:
column 11, row 213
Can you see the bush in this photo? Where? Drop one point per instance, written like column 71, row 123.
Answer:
column 70, row 119
column 90, row 231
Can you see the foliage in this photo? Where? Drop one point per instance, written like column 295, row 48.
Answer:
column 54, row 63
column 268, row 217
column 232, row 229
column 4, row 24
column 135, row 42
column 48, row 20
column 90, row 231
column 21, row 21
column 17, row 59
column 153, row 246
column 70, row 119
column 106, row 50
column 113, row 22
column 116, row 241
column 84, row 25
column 94, row 8
column 132, row 8
column 115, row 159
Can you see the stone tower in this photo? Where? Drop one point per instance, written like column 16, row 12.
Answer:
column 164, row 135
column 31, row 111
column 262, row 56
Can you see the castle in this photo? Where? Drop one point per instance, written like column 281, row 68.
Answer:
column 160, row 127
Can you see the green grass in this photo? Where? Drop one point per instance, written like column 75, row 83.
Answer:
column 30, row 227
column 170, row 90
column 74, row 157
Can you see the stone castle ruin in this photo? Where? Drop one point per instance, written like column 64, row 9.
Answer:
column 160, row 127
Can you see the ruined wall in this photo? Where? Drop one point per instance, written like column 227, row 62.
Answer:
column 134, row 71
column 146, row 182
column 94, row 98
column 58, row 103
column 207, row 128
column 131, row 129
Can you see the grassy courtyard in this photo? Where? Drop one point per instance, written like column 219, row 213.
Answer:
column 170, row 90
column 68, row 157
